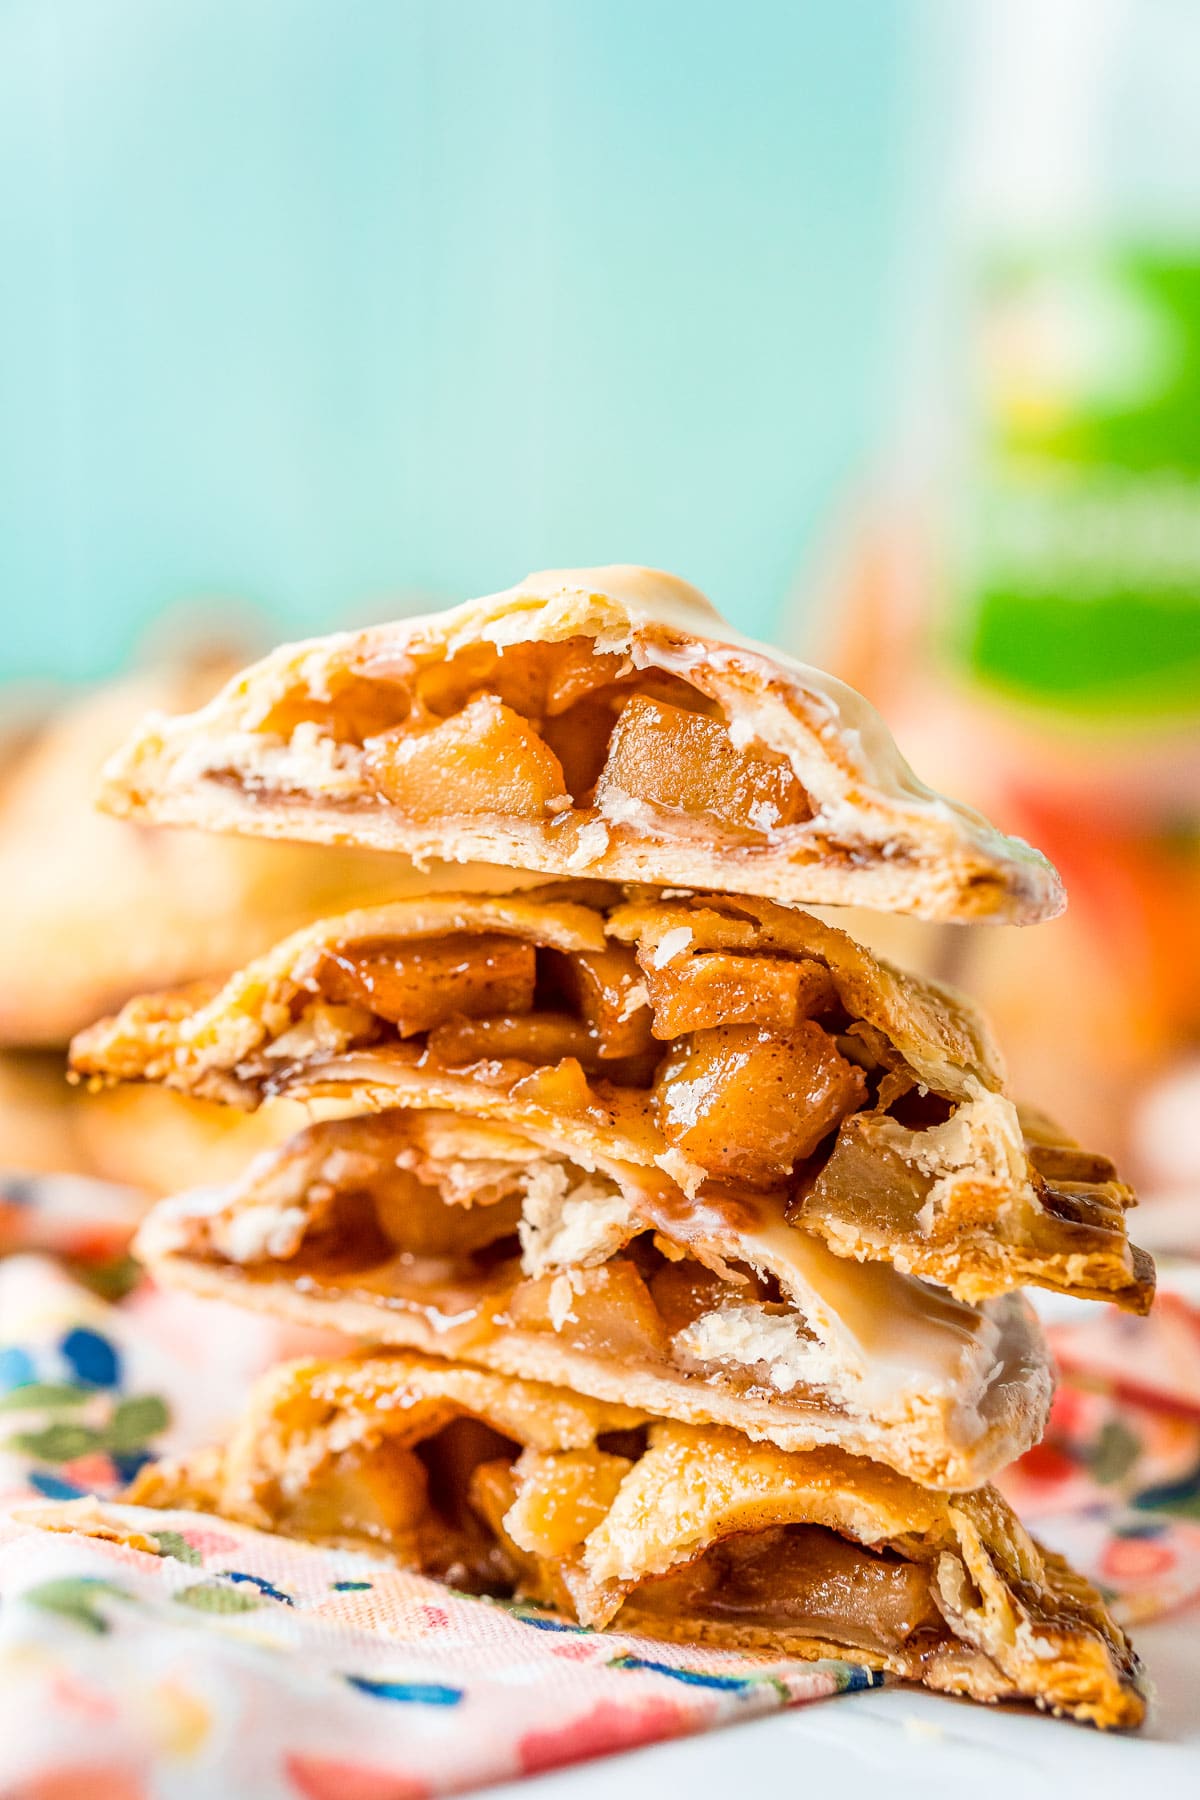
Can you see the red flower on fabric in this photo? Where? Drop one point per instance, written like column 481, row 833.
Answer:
column 208, row 1543
column 80, row 1781
column 608, row 1727
column 93, row 1470
column 1047, row 1465
column 329, row 1778
column 579, row 1649
column 1133, row 1559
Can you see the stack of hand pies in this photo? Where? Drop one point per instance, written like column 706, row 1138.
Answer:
column 683, row 1235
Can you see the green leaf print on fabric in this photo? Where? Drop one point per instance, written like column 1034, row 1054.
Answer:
column 173, row 1544
column 57, row 1443
column 134, row 1421
column 219, row 1597
column 48, row 1394
column 74, row 1597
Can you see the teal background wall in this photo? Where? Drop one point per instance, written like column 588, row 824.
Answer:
column 327, row 305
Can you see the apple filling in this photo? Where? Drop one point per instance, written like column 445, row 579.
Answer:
column 804, row 1579
column 736, row 1048
column 615, row 1518
column 739, row 1063
column 551, row 735
column 412, row 1500
column 447, row 1503
column 443, row 1504
column 483, row 1246
column 462, row 1238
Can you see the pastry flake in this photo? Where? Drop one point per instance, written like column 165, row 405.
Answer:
column 599, row 722
column 464, row 1238
column 740, row 1048
column 514, row 1488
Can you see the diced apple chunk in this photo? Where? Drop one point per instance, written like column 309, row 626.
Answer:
column 418, row 983
column 718, row 987
column 533, row 1037
column 685, row 763
column 606, row 1311
column 559, row 1091
column 562, row 1498
column 682, row 1291
column 484, row 759
column 606, row 988
column 747, row 1104
column 579, row 737
column 418, row 1222
column 378, row 1492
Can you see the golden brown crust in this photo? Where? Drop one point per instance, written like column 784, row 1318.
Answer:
column 959, row 1201
column 370, row 1226
column 588, row 1517
column 279, row 754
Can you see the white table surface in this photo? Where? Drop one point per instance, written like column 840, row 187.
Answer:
column 903, row 1744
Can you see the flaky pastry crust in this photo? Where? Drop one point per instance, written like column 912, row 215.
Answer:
column 955, row 1195
column 402, row 1229
column 294, row 748
column 563, row 1500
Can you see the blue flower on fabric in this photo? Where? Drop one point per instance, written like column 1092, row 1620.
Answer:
column 735, row 1684
column 16, row 1368
column 421, row 1693
column 53, row 1487
column 259, row 1582
column 92, row 1359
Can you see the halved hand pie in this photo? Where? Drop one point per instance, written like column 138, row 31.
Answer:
column 509, row 1487
column 462, row 1237
column 742, row 1049
column 601, row 722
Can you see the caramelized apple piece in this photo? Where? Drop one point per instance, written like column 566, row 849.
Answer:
column 417, row 1221
column 562, row 1497
column 606, row 1311
column 684, row 763
column 579, row 737
column 577, row 671
column 485, row 759
column 804, row 1579
column 718, row 987
column 682, row 1291
column 533, row 1038
column 747, row 1104
column 378, row 1492
column 560, row 1090
column 356, row 707
column 606, row 988
column 417, row 984
column 534, row 679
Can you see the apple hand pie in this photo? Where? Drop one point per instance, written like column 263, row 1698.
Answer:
column 464, row 1238
column 513, row 1488
column 600, row 722
column 751, row 1053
